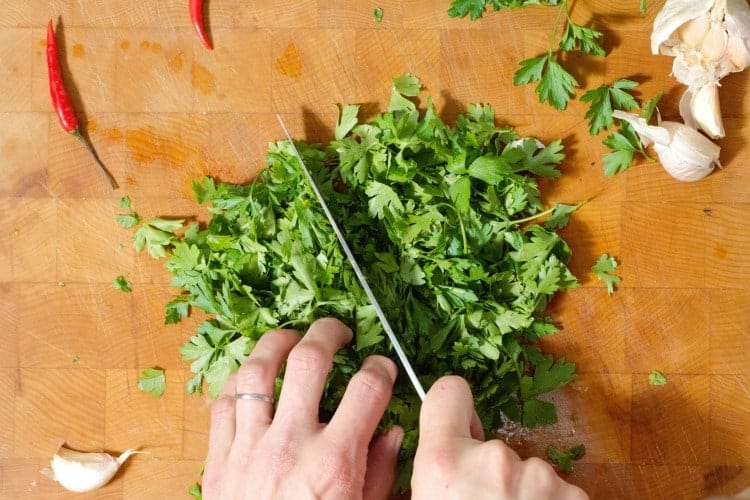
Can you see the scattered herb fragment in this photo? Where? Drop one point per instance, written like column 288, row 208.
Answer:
column 657, row 378
column 122, row 284
column 75, row 358
column 153, row 381
column 604, row 99
column 563, row 459
column 195, row 491
column 625, row 144
column 378, row 14
column 605, row 271
column 434, row 214
column 475, row 8
column 556, row 86
column 61, row 284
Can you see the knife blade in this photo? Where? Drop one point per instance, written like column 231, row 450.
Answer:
column 408, row 368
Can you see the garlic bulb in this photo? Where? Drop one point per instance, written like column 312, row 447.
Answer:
column 80, row 472
column 685, row 153
column 699, row 108
column 708, row 38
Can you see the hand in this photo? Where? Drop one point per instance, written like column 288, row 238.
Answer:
column 453, row 462
column 253, row 453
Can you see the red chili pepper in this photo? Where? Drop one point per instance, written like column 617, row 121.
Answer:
column 61, row 101
column 196, row 15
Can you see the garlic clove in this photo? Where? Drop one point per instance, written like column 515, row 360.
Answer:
column 690, row 156
column 647, row 133
column 700, row 109
column 737, row 23
column 714, row 44
column 694, row 31
column 81, row 472
column 671, row 17
column 685, row 153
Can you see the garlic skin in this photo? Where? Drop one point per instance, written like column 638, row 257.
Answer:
column 708, row 38
column 686, row 154
column 81, row 472
column 700, row 109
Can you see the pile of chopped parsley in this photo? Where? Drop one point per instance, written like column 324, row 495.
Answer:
column 444, row 222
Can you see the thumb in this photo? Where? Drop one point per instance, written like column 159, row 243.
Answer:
column 447, row 411
column 381, row 464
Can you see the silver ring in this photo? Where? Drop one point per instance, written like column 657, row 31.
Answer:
column 253, row 396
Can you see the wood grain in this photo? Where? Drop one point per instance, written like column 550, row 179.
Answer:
column 162, row 111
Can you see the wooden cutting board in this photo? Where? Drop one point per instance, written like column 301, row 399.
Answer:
column 162, row 111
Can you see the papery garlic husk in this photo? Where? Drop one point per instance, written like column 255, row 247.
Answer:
column 708, row 38
column 700, row 109
column 81, row 472
column 686, row 154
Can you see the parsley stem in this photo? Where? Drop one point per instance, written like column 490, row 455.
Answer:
column 461, row 225
column 530, row 218
column 556, row 26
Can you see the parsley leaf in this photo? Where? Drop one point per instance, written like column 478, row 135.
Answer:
column 657, row 378
column 153, row 381
column 605, row 271
column 563, row 459
column 604, row 99
column 195, row 491
column 378, row 14
column 624, row 144
column 560, row 215
column 475, row 8
column 581, row 37
column 122, row 284
column 651, row 105
column 555, row 83
column 156, row 235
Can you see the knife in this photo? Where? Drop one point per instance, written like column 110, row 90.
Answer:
column 357, row 270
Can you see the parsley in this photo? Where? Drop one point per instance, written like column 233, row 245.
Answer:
column 604, row 99
column 378, row 14
column 154, row 235
column 556, row 85
column 582, row 38
column 625, row 143
column 195, row 491
column 657, row 378
column 563, row 459
column 475, row 8
column 434, row 214
column 122, row 284
column 605, row 271
column 153, row 381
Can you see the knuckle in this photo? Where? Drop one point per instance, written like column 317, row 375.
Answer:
column 541, row 473
column 222, row 409
column 370, row 384
column 309, row 357
column 444, row 458
column 498, row 454
column 254, row 370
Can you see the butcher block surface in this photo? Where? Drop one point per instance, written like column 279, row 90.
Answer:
column 162, row 110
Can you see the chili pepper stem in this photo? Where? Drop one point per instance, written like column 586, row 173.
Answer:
column 87, row 146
